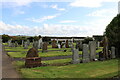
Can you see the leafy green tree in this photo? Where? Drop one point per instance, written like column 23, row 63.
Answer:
column 113, row 33
column 87, row 39
column 5, row 38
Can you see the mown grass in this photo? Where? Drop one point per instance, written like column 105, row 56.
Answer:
column 98, row 69
column 46, row 54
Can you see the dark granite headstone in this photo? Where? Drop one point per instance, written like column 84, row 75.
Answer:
column 54, row 45
column 44, row 48
column 105, row 47
column 66, row 44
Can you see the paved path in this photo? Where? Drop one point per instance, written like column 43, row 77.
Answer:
column 8, row 70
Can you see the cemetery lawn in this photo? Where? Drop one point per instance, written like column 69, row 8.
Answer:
column 22, row 54
column 98, row 69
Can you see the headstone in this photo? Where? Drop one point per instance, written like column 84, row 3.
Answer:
column 16, row 44
column 32, row 53
column 98, row 44
column 113, row 52
column 105, row 47
column 81, row 46
column 59, row 46
column 109, row 54
column 92, row 47
column 54, row 45
column 32, row 59
column 75, row 56
column 72, row 40
column 28, row 42
column 66, row 44
column 25, row 45
column 44, row 48
column 40, row 43
column 57, row 41
column 85, row 54
column 35, row 45
column 10, row 43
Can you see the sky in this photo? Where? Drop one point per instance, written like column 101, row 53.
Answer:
column 78, row 18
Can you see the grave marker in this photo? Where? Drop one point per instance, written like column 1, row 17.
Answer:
column 75, row 56
column 85, row 54
column 92, row 46
column 113, row 52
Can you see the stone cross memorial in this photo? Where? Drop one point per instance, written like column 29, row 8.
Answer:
column 85, row 54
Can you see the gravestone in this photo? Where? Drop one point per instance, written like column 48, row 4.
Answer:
column 35, row 45
column 25, row 45
column 66, row 44
column 16, row 44
column 105, row 47
column 72, row 40
column 40, row 43
column 113, row 52
column 10, row 43
column 32, row 52
column 44, row 48
column 28, row 42
column 77, row 45
column 98, row 44
column 75, row 56
column 109, row 54
column 92, row 47
column 54, row 45
column 59, row 46
column 81, row 46
column 72, row 47
column 85, row 54
column 32, row 59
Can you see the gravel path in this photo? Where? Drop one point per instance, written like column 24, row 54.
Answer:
column 8, row 70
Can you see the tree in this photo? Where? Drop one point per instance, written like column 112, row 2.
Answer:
column 5, row 38
column 113, row 33
column 87, row 39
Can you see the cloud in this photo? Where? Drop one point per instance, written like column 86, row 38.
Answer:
column 89, row 3
column 50, row 30
column 56, row 7
column 43, row 18
column 17, row 12
column 103, row 12
column 68, row 21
